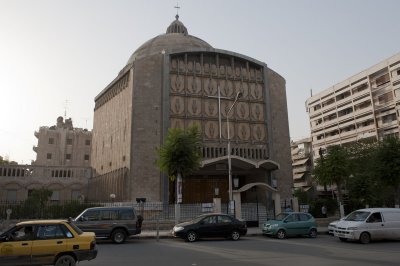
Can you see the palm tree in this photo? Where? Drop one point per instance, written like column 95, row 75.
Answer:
column 180, row 155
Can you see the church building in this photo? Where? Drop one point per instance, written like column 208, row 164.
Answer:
column 176, row 80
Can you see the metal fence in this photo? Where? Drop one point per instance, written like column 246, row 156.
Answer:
column 155, row 214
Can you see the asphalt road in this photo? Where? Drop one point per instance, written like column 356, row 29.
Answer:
column 258, row 250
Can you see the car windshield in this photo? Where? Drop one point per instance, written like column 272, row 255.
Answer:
column 281, row 216
column 357, row 216
column 76, row 228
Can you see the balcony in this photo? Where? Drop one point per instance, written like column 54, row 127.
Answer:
column 348, row 133
column 365, row 135
column 301, row 169
column 36, row 171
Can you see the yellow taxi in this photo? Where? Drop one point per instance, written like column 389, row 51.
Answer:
column 49, row 242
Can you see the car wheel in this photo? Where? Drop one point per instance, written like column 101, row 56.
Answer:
column 343, row 239
column 235, row 235
column 191, row 236
column 65, row 260
column 281, row 234
column 365, row 238
column 313, row 233
column 118, row 236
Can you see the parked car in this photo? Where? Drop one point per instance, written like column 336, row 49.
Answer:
column 332, row 226
column 211, row 225
column 369, row 224
column 291, row 224
column 115, row 223
column 49, row 242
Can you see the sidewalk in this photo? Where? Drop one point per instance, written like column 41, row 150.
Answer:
column 251, row 231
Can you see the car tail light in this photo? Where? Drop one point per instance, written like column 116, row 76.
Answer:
column 92, row 244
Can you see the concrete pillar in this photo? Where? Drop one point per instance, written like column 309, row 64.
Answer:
column 277, row 199
column 295, row 203
column 238, row 205
column 217, row 205
column 177, row 213
column 341, row 209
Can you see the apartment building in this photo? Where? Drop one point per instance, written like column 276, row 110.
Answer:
column 63, row 145
column 364, row 106
column 301, row 151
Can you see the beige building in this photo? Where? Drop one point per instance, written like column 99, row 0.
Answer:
column 177, row 80
column 63, row 145
column 62, row 165
column 66, row 183
column 363, row 106
column 302, row 162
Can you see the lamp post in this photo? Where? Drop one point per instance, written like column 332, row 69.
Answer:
column 112, row 197
column 238, row 95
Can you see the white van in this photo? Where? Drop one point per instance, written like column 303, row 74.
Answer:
column 370, row 224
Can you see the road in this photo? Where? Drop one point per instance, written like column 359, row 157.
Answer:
column 258, row 250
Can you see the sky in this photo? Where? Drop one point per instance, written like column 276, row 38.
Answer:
column 57, row 55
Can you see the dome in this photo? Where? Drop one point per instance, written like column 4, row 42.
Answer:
column 175, row 38
column 177, row 27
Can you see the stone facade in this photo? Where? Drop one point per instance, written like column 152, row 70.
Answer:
column 173, row 81
column 66, row 183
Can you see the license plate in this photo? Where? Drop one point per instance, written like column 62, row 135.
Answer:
column 341, row 235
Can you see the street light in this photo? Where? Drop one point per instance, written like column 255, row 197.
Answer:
column 112, row 197
column 238, row 95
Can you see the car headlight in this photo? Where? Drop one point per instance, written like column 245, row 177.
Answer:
column 332, row 225
column 274, row 225
column 178, row 228
column 352, row 228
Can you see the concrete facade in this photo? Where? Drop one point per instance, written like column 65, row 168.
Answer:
column 63, row 145
column 173, row 81
column 302, row 162
column 366, row 105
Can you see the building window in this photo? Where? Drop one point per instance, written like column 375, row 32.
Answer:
column 87, row 142
column 76, row 194
column 382, row 79
column 12, row 195
column 49, row 156
column 51, row 140
column 123, row 158
column 86, row 157
column 69, row 141
column 55, row 196
column 68, row 156
column 388, row 118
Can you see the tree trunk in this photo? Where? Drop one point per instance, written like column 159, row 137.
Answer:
column 396, row 196
column 339, row 189
column 179, row 188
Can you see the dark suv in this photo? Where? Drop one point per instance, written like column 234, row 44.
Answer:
column 115, row 223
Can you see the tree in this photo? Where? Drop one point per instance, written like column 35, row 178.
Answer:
column 333, row 169
column 180, row 154
column 6, row 161
column 364, row 188
column 34, row 205
column 387, row 165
